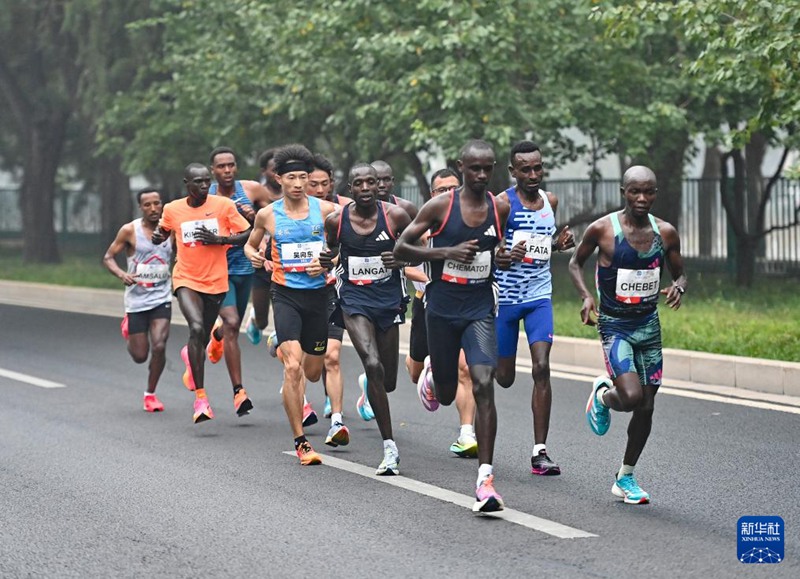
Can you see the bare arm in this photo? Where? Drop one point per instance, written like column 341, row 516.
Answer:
column 674, row 259
column 430, row 217
column 263, row 225
column 586, row 248
column 124, row 240
column 399, row 219
column 331, row 240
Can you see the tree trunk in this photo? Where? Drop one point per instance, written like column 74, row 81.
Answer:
column 665, row 158
column 746, row 248
column 44, row 143
column 419, row 176
column 115, row 196
column 754, row 152
column 706, row 195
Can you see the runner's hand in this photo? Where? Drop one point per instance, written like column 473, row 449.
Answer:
column 389, row 261
column 502, row 257
column 464, row 252
column 206, row 236
column 246, row 211
column 326, row 259
column 314, row 268
column 565, row 239
column 257, row 260
column 674, row 296
column 159, row 236
column 518, row 251
column 587, row 310
column 128, row 279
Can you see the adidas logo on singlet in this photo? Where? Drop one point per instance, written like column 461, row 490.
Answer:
column 382, row 237
column 491, row 231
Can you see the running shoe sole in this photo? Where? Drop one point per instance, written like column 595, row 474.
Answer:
column 431, row 405
column 311, row 419
column 618, row 492
column 188, row 379
column 341, row 438
column 489, row 505
column 244, row 408
column 596, row 428
column 550, row 471
column 466, row 451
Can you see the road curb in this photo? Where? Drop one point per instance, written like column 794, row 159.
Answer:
column 716, row 370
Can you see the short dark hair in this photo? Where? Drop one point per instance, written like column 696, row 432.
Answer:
column 321, row 163
column 144, row 191
column 478, row 144
column 293, row 154
column 191, row 167
column 446, row 172
column 265, row 157
column 360, row 166
column 523, row 147
column 219, row 151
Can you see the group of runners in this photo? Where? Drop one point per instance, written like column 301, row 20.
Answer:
column 480, row 267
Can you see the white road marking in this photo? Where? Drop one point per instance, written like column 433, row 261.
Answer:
column 33, row 380
column 523, row 519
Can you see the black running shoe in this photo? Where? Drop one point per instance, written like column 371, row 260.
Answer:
column 542, row 465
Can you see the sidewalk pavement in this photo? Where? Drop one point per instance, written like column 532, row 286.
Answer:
column 728, row 375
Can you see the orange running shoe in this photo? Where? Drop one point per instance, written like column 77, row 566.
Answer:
column 188, row 379
column 241, row 403
column 202, row 410
column 152, row 404
column 307, row 455
column 215, row 347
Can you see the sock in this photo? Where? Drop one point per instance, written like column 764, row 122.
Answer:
column 336, row 417
column 626, row 469
column 146, row 394
column 298, row 441
column 389, row 443
column 467, row 430
column 237, row 388
column 537, row 448
column 599, row 396
column 484, row 472
column 200, row 393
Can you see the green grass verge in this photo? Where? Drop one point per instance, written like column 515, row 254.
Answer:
column 762, row 321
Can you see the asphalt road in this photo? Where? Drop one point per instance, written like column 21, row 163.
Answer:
column 90, row 485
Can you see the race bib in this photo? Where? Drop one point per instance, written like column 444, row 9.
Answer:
column 637, row 285
column 366, row 270
column 151, row 274
column 189, row 229
column 478, row 271
column 295, row 257
column 538, row 246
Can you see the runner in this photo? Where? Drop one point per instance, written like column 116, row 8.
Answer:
column 386, row 188
column 200, row 277
column 258, row 317
column 299, row 296
column 371, row 292
column 225, row 334
column 526, row 289
column 148, row 301
column 466, row 226
column 632, row 246
column 320, row 185
column 466, row 445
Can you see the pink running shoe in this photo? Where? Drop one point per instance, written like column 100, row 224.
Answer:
column 309, row 416
column 123, row 327
column 487, row 500
column 424, row 390
column 188, row 379
column 202, row 410
column 153, row 404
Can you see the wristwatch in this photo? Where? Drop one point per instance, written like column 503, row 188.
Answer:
column 680, row 290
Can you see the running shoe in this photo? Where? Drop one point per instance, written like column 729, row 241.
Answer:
column 487, row 500
column 424, row 390
column 307, row 455
column 327, row 412
column 466, row 446
column 123, row 327
column 251, row 330
column 153, row 404
column 390, row 465
column 309, row 416
column 542, row 465
column 188, row 379
column 629, row 491
column 215, row 347
column 202, row 410
column 362, row 404
column 272, row 344
column 241, row 403
column 597, row 415
column 338, row 435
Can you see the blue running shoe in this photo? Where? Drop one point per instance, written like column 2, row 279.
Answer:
column 629, row 491
column 327, row 412
column 363, row 406
column 597, row 415
column 251, row 330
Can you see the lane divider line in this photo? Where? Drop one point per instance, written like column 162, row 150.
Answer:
column 32, row 380
column 510, row 515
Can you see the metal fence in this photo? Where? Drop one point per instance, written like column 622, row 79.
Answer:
column 703, row 226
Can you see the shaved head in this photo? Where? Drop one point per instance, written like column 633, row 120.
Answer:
column 638, row 174
column 361, row 168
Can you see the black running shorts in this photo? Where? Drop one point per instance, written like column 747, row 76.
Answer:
column 301, row 315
